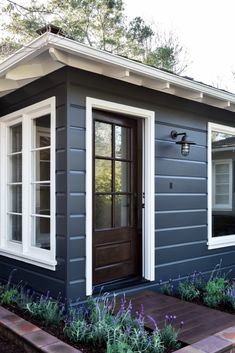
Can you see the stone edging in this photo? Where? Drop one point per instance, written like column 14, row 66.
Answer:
column 32, row 337
column 220, row 342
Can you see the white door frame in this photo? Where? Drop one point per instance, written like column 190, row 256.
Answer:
column 148, row 234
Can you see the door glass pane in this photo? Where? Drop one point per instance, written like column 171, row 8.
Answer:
column 122, row 142
column 15, row 168
column 42, row 232
column 15, row 199
column 122, row 176
column 103, row 175
column 103, row 215
column 103, row 139
column 16, row 138
column 42, row 164
column 122, row 211
column 42, row 127
column 42, row 193
column 15, row 227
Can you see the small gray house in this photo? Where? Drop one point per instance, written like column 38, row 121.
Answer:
column 113, row 173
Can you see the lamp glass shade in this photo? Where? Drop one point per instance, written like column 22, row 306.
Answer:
column 185, row 149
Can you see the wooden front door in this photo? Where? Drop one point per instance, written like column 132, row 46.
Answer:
column 116, row 239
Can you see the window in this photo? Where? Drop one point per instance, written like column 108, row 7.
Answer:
column 28, row 184
column 221, row 198
column 222, row 184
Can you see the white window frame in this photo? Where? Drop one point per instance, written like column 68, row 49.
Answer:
column 225, row 206
column 222, row 241
column 25, row 251
column 148, row 231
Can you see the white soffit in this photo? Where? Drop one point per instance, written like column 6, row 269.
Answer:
column 50, row 52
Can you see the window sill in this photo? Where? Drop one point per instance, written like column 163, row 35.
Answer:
column 220, row 243
column 47, row 264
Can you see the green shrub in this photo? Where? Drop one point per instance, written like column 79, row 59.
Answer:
column 46, row 309
column 188, row 291
column 8, row 296
column 119, row 332
column 215, row 292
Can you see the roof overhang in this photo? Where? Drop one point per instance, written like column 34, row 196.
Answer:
column 50, row 52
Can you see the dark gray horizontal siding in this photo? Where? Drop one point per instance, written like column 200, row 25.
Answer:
column 179, row 167
column 203, row 264
column 180, row 182
column 179, row 235
column 172, row 201
column 76, row 200
column 171, row 184
column 180, row 218
column 38, row 278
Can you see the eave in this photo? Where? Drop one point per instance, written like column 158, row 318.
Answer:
column 50, row 52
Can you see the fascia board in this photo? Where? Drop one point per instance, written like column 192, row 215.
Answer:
column 42, row 43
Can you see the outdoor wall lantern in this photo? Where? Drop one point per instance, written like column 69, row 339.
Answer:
column 184, row 142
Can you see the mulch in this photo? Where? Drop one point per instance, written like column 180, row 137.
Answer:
column 8, row 346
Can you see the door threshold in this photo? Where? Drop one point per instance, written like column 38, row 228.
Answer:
column 119, row 285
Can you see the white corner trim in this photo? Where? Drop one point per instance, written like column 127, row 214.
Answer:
column 222, row 241
column 148, row 178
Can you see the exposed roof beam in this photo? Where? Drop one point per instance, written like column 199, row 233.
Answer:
column 157, row 85
column 23, row 72
column 116, row 72
column 8, row 85
column 76, row 62
column 224, row 104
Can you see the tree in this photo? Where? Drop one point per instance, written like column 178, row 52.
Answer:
column 98, row 23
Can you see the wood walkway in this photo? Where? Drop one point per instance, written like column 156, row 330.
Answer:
column 199, row 321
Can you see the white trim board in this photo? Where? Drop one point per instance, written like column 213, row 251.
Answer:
column 148, row 248
column 220, row 241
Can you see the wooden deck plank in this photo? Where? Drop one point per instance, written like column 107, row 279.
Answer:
column 199, row 321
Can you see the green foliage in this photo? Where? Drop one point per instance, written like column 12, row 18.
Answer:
column 188, row 291
column 167, row 287
column 169, row 337
column 215, row 291
column 46, row 309
column 98, row 23
column 97, row 324
column 8, row 296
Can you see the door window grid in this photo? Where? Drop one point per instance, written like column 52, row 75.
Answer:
column 115, row 204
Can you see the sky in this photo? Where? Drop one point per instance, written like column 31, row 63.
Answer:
column 205, row 27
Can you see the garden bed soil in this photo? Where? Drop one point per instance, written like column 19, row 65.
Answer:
column 8, row 346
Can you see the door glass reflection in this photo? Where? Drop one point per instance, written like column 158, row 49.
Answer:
column 122, row 142
column 103, row 211
column 103, row 139
column 122, row 211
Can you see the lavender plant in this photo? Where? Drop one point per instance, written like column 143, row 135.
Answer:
column 167, row 287
column 46, row 309
column 119, row 329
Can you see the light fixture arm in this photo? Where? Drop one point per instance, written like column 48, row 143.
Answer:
column 175, row 134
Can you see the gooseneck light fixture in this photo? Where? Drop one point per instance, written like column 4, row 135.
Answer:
column 184, row 142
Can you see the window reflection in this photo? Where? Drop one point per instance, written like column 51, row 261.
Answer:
column 223, row 205
column 103, row 139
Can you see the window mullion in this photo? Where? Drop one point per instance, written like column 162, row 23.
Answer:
column 26, row 176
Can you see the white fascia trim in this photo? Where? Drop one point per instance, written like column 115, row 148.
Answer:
column 148, row 177
column 47, row 40
column 83, row 50
column 223, row 241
